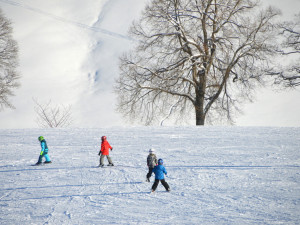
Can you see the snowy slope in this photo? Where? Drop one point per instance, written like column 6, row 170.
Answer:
column 69, row 53
column 218, row 175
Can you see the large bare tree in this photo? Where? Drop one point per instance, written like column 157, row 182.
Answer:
column 199, row 56
column 8, row 62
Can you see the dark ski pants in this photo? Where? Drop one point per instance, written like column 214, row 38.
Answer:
column 149, row 173
column 163, row 182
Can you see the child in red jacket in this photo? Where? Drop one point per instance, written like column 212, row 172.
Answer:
column 104, row 151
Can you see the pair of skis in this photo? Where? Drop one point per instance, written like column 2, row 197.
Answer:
column 153, row 192
column 109, row 165
column 41, row 164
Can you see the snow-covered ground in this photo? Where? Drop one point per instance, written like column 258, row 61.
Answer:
column 218, row 175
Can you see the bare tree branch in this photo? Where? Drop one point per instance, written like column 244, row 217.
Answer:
column 52, row 116
column 289, row 75
column 8, row 63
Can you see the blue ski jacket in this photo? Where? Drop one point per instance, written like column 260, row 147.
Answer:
column 159, row 172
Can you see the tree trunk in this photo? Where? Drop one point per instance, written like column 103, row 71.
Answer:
column 199, row 101
column 199, row 107
column 200, row 117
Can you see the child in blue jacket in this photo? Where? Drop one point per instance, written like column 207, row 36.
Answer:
column 44, row 151
column 159, row 172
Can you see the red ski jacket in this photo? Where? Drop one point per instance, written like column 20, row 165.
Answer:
column 105, row 146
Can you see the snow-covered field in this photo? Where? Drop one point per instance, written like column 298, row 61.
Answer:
column 218, row 175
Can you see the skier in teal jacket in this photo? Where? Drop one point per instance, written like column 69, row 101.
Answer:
column 44, row 151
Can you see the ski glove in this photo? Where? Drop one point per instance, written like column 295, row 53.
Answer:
column 42, row 152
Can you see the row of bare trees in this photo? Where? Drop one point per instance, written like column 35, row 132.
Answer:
column 202, row 58
column 199, row 59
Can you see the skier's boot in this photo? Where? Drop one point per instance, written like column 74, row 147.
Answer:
column 110, row 164
column 47, row 162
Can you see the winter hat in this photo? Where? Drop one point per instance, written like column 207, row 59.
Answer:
column 152, row 150
column 160, row 162
column 41, row 138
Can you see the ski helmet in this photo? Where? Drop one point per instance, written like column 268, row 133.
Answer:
column 152, row 150
column 160, row 162
column 103, row 138
column 41, row 138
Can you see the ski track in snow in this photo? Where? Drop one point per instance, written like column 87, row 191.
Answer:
column 218, row 175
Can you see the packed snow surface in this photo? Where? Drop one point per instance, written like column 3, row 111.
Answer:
column 217, row 175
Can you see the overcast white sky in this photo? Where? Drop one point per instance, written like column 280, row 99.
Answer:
column 73, row 64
